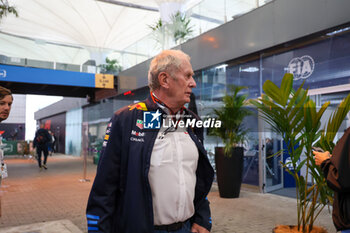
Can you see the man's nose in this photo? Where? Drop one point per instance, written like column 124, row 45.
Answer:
column 193, row 83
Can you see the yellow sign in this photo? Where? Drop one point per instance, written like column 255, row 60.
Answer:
column 104, row 81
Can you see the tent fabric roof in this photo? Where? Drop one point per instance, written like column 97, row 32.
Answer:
column 76, row 22
column 85, row 27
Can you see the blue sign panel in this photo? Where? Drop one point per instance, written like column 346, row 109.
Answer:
column 45, row 76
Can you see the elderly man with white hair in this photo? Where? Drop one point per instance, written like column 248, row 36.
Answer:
column 154, row 174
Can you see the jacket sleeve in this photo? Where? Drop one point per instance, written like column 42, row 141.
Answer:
column 331, row 174
column 202, row 215
column 337, row 169
column 205, row 176
column 103, row 196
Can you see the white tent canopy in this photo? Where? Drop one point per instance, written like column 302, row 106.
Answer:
column 89, row 28
column 80, row 22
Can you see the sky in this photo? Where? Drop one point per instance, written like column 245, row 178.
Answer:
column 33, row 104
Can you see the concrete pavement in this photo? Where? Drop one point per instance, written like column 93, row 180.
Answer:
column 54, row 200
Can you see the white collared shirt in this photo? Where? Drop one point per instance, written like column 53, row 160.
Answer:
column 172, row 176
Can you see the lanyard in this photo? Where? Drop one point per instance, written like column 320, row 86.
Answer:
column 167, row 109
column 176, row 117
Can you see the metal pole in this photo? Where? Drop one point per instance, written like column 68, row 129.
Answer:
column 85, row 146
column 84, row 165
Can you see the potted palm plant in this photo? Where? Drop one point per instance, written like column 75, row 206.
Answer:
column 229, row 159
column 296, row 118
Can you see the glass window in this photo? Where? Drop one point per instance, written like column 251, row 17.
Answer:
column 245, row 74
column 321, row 64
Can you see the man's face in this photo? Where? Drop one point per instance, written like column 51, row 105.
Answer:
column 5, row 107
column 181, row 85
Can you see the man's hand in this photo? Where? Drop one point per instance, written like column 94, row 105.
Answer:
column 198, row 229
column 321, row 156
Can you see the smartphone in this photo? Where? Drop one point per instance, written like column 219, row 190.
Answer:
column 318, row 149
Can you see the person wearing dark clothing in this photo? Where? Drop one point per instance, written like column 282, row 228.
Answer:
column 192, row 105
column 336, row 169
column 154, row 180
column 41, row 143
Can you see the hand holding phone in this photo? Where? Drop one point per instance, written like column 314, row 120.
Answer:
column 320, row 155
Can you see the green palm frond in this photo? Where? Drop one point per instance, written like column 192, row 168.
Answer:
column 297, row 118
column 232, row 131
column 334, row 122
column 179, row 29
column 5, row 9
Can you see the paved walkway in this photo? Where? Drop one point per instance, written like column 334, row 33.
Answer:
column 54, row 201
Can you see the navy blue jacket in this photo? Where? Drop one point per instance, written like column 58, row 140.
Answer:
column 121, row 199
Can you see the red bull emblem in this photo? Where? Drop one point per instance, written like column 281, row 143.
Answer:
column 138, row 106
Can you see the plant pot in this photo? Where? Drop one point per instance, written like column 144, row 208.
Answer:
column 229, row 172
column 294, row 229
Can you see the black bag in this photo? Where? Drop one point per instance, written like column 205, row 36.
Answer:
column 41, row 138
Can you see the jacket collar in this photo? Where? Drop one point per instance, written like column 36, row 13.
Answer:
column 150, row 104
column 153, row 106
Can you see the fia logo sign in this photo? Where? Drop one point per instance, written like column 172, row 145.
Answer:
column 301, row 67
column 151, row 120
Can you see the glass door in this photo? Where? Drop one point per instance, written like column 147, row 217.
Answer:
column 270, row 144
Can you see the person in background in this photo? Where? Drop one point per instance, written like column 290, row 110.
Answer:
column 154, row 180
column 41, row 143
column 51, row 145
column 336, row 169
column 53, row 142
column 6, row 100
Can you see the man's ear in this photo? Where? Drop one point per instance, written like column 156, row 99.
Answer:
column 163, row 79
